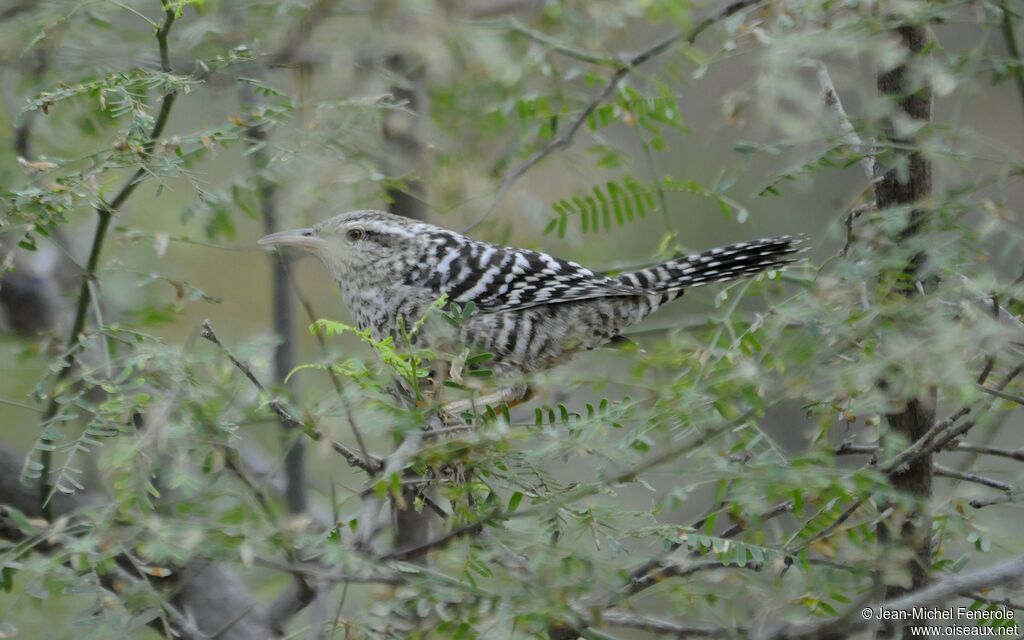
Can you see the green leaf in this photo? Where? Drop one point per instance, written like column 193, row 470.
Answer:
column 513, row 501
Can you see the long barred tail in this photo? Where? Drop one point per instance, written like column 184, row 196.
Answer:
column 730, row 262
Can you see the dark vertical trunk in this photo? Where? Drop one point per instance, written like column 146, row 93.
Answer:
column 402, row 131
column 284, row 357
column 899, row 188
column 282, row 311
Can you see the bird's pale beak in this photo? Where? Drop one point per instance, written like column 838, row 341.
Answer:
column 305, row 238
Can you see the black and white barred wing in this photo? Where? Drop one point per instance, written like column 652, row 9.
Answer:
column 505, row 279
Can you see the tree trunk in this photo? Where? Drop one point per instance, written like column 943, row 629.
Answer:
column 897, row 188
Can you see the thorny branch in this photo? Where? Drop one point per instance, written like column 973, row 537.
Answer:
column 626, row 66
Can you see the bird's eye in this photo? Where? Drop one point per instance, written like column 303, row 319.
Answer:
column 353, row 234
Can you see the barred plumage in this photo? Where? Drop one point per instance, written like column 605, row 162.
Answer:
column 533, row 310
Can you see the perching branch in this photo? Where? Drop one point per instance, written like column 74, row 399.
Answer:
column 105, row 213
column 626, row 66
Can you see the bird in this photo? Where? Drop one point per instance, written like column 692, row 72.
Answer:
column 530, row 311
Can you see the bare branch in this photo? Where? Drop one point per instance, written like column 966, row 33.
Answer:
column 1012, row 454
column 972, row 477
column 868, row 449
column 281, row 303
column 284, row 352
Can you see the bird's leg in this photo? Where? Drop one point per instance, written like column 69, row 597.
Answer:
column 440, row 372
column 511, row 396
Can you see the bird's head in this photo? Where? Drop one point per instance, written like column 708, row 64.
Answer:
column 352, row 243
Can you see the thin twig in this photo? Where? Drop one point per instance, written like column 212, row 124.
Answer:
column 346, row 406
column 867, row 449
column 628, row 64
column 1012, row 454
column 576, row 53
column 663, row 570
column 394, row 464
column 1002, row 394
column 641, row 578
column 831, row 528
column 318, row 573
column 926, row 443
column 972, row 477
column 352, row 457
